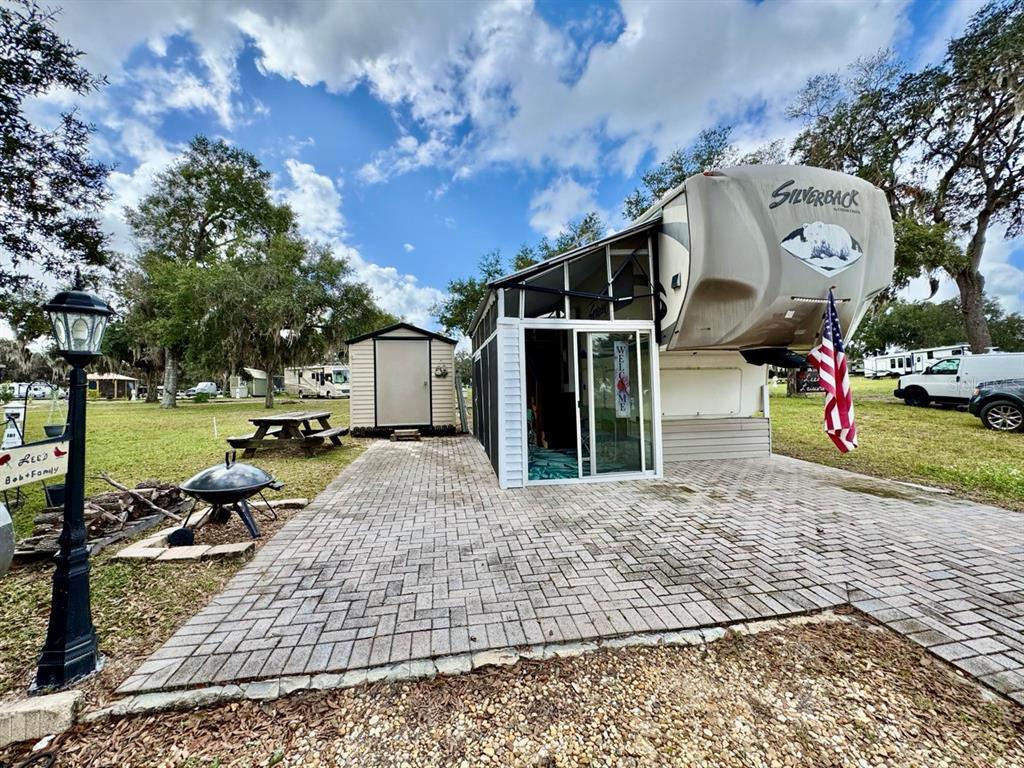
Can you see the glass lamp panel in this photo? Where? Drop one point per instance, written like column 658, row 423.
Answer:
column 99, row 325
column 58, row 321
column 81, row 331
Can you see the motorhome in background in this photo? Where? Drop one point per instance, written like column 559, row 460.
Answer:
column 913, row 361
column 322, row 380
column 653, row 345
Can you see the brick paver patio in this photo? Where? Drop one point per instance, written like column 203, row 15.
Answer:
column 414, row 552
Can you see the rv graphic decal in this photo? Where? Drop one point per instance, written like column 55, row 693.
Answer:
column 828, row 248
column 812, row 196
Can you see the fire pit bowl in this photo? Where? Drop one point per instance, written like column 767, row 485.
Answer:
column 227, row 486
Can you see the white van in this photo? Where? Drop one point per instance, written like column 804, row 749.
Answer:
column 953, row 380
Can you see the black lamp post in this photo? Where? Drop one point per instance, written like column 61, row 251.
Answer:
column 78, row 319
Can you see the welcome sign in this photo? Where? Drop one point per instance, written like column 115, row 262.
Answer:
column 32, row 463
column 623, row 397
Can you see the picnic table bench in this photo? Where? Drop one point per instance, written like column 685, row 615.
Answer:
column 292, row 428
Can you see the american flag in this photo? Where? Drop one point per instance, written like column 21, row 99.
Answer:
column 830, row 360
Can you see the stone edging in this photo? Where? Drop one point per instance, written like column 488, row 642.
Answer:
column 155, row 547
column 263, row 690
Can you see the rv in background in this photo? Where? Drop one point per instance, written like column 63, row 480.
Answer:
column 914, row 361
column 324, row 380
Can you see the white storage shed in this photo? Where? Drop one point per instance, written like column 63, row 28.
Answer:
column 402, row 377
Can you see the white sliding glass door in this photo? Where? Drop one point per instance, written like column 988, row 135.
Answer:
column 614, row 405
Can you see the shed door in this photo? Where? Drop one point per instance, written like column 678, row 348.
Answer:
column 403, row 382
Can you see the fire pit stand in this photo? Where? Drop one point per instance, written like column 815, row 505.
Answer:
column 227, row 487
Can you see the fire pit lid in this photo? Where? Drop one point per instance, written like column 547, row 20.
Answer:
column 230, row 478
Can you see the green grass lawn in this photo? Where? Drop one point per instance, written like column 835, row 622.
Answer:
column 140, row 441
column 136, row 606
column 935, row 446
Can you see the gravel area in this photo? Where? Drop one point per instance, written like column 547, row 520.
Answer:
column 836, row 694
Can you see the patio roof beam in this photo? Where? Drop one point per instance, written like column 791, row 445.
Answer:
column 562, row 292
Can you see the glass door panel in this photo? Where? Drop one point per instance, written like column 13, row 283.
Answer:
column 583, row 390
column 647, row 384
column 616, row 403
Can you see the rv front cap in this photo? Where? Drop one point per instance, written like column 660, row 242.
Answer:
column 813, row 196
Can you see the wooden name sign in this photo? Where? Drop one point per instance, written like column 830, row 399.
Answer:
column 32, row 463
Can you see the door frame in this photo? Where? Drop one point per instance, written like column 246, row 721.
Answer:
column 594, row 326
column 591, row 421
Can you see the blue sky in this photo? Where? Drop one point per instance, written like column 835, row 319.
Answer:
column 415, row 137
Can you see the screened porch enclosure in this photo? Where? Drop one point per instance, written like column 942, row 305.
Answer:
column 565, row 364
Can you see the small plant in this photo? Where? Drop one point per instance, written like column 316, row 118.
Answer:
column 201, row 397
column 6, row 393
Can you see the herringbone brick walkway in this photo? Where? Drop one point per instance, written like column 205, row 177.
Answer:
column 414, row 552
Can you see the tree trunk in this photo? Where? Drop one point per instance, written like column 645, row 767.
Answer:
column 170, row 380
column 972, row 304
column 151, row 386
column 268, row 399
column 972, row 288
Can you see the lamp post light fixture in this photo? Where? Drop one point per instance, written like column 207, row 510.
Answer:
column 70, row 653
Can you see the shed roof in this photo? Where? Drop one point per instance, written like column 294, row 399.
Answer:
column 110, row 377
column 397, row 326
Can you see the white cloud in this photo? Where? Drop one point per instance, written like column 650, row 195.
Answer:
column 408, row 154
column 109, row 30
column 317, row 201
column 1003, row 280
column 162, row 90
column 151, row 155
column 493, row 82
column 565, row 199
column 408, row 247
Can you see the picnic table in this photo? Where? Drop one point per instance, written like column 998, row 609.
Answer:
column 292, row 428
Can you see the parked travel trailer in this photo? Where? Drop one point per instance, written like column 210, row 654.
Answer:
column 952, row 381
column 323, row 380
column 653, row 345
column 914, row 361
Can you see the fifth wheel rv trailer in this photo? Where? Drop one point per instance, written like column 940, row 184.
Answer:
column 324, row 380
column 652, row 345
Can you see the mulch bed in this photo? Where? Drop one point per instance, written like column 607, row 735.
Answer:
column 814, row 695
column 233, row 531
